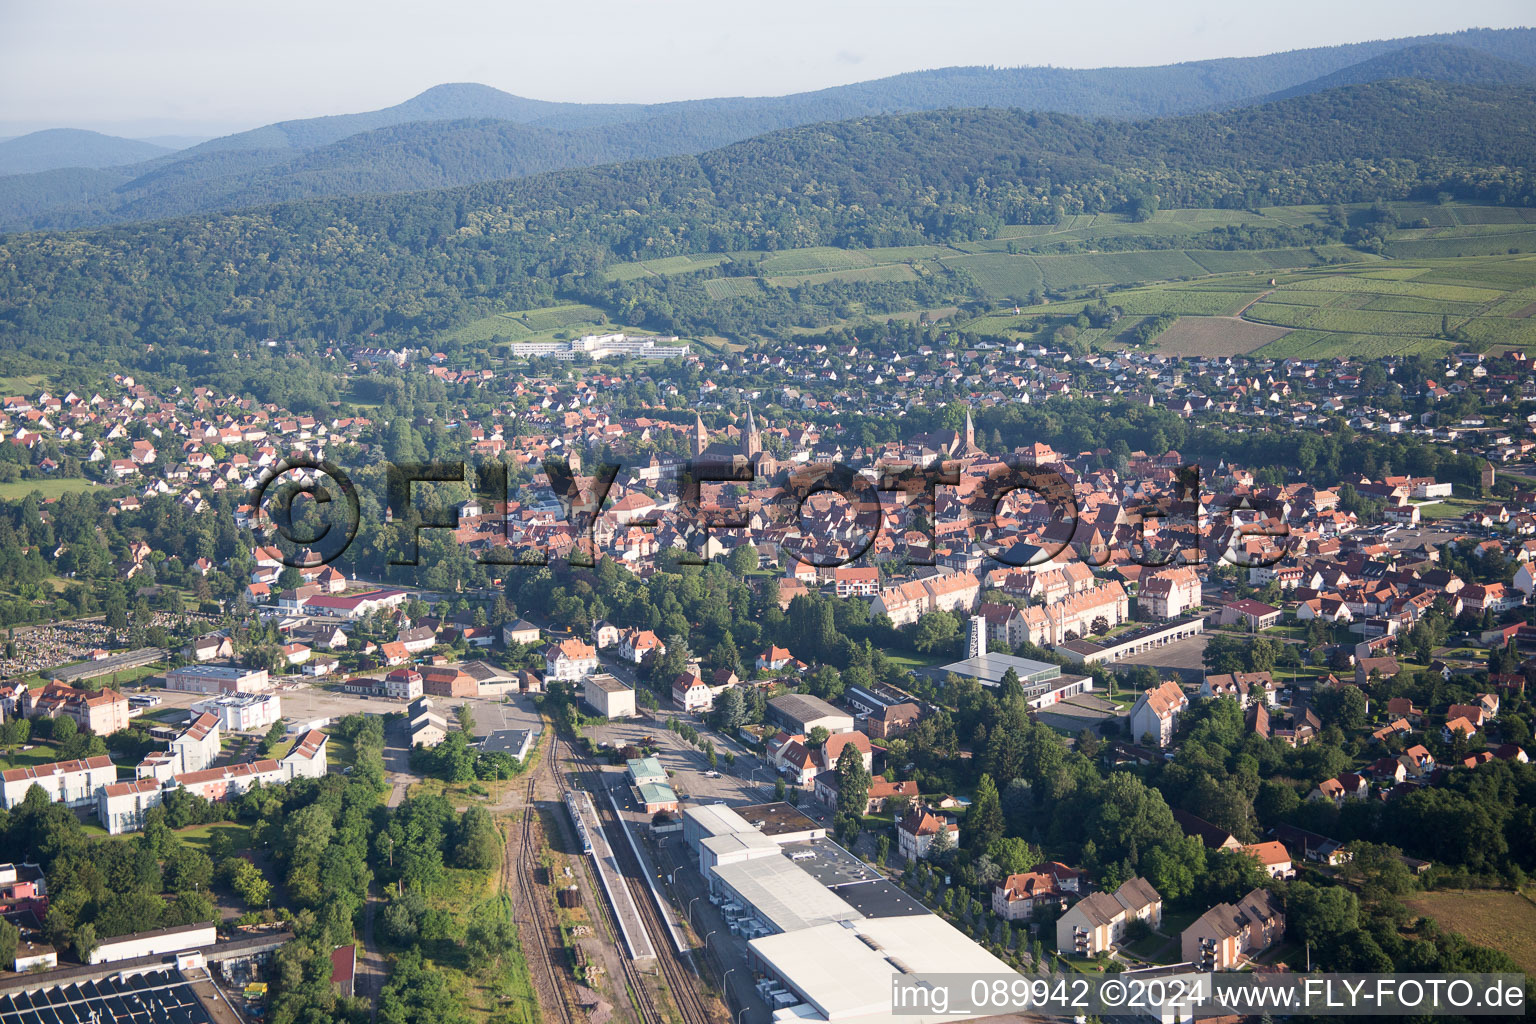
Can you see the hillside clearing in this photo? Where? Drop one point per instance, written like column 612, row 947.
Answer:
column 1216, row 336
column 1500, row 920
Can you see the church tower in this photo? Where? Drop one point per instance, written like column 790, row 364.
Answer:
column 751, row 440
column 700, row 436
column 970, row 432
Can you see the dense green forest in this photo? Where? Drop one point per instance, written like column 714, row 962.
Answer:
column 181, row 295
column 461, row 134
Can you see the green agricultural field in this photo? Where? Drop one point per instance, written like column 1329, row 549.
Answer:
column 50, row 488
column 1505, row 921
column 883, row 272
column 998, row 275
column 501, row 326
column 719, row 288
column 818, row 259
column 22, row 384
column 1186, row 301
column 1369, row 310
column 665, row 266
column 549, row 318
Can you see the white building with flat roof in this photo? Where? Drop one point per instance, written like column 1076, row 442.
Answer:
column 217, row 679
column 242, row 712
column 155, row 943
column 781, row 895
column 843, row 972
column 607, row 696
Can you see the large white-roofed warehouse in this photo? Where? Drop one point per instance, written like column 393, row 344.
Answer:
column 843, row 971
column 780, row 894
column 827, row 941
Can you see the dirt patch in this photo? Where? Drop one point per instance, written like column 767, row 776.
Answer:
column 1505, row 921
column 1525, row 311
column 1216, row 336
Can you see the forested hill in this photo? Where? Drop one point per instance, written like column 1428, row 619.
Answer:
column 1436, row 62
column 407, row 266
column 70, row 147
column 465, row 133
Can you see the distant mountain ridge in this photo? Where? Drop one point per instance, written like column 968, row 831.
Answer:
column 459, row 134
column 72, row 147
column 1439, row 62
column 185, row 294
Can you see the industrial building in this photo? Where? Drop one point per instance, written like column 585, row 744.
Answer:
column 154, row 943
column 159, row 994
column 607, row 696
column 799, row 713
column 515, row 742
column 825, row 930
column 844, row 972
column 1044, row 684
column 217, row 679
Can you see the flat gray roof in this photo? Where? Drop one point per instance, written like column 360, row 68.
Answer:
column 607, row 683
column 803, row 707
column 845, row 972
column 783, row 894
column 111, row 663
column 778, row 818
column 734, row 841
column 989, row 669
column 716, row 819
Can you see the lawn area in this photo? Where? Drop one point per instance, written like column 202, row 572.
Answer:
column 1500, row 920
column 50, row 488
column 339, row 751
column 198, row 835
column 1175, row 921
column 1451, row 508
column 908, row 659
column 40, row 753
column 202, row 835
column 1154, row 948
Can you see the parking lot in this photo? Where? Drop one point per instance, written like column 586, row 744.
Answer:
column 688, row 767
column 1185, row 656
column 305, row 703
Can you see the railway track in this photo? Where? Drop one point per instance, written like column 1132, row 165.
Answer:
column 679, row 976
column 549, row 978
column 644, row 1002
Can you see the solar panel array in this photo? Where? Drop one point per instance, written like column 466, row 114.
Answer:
column 159, row 997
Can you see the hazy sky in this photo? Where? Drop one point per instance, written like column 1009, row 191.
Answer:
column 210, row 67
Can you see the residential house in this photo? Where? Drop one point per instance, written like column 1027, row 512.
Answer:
column 1274, row 856
column 1098, row 922
column 917, row 829
column 1156, row 713
column 570, row 659
column 891, row 720
column 1227, row 934
column 1019, row 897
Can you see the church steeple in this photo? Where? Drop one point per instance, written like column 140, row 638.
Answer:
column 970, row 431
column 751, row 441
column 700, row 436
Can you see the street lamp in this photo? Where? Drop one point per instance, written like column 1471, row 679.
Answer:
column 690, row 909
column 707, row 938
